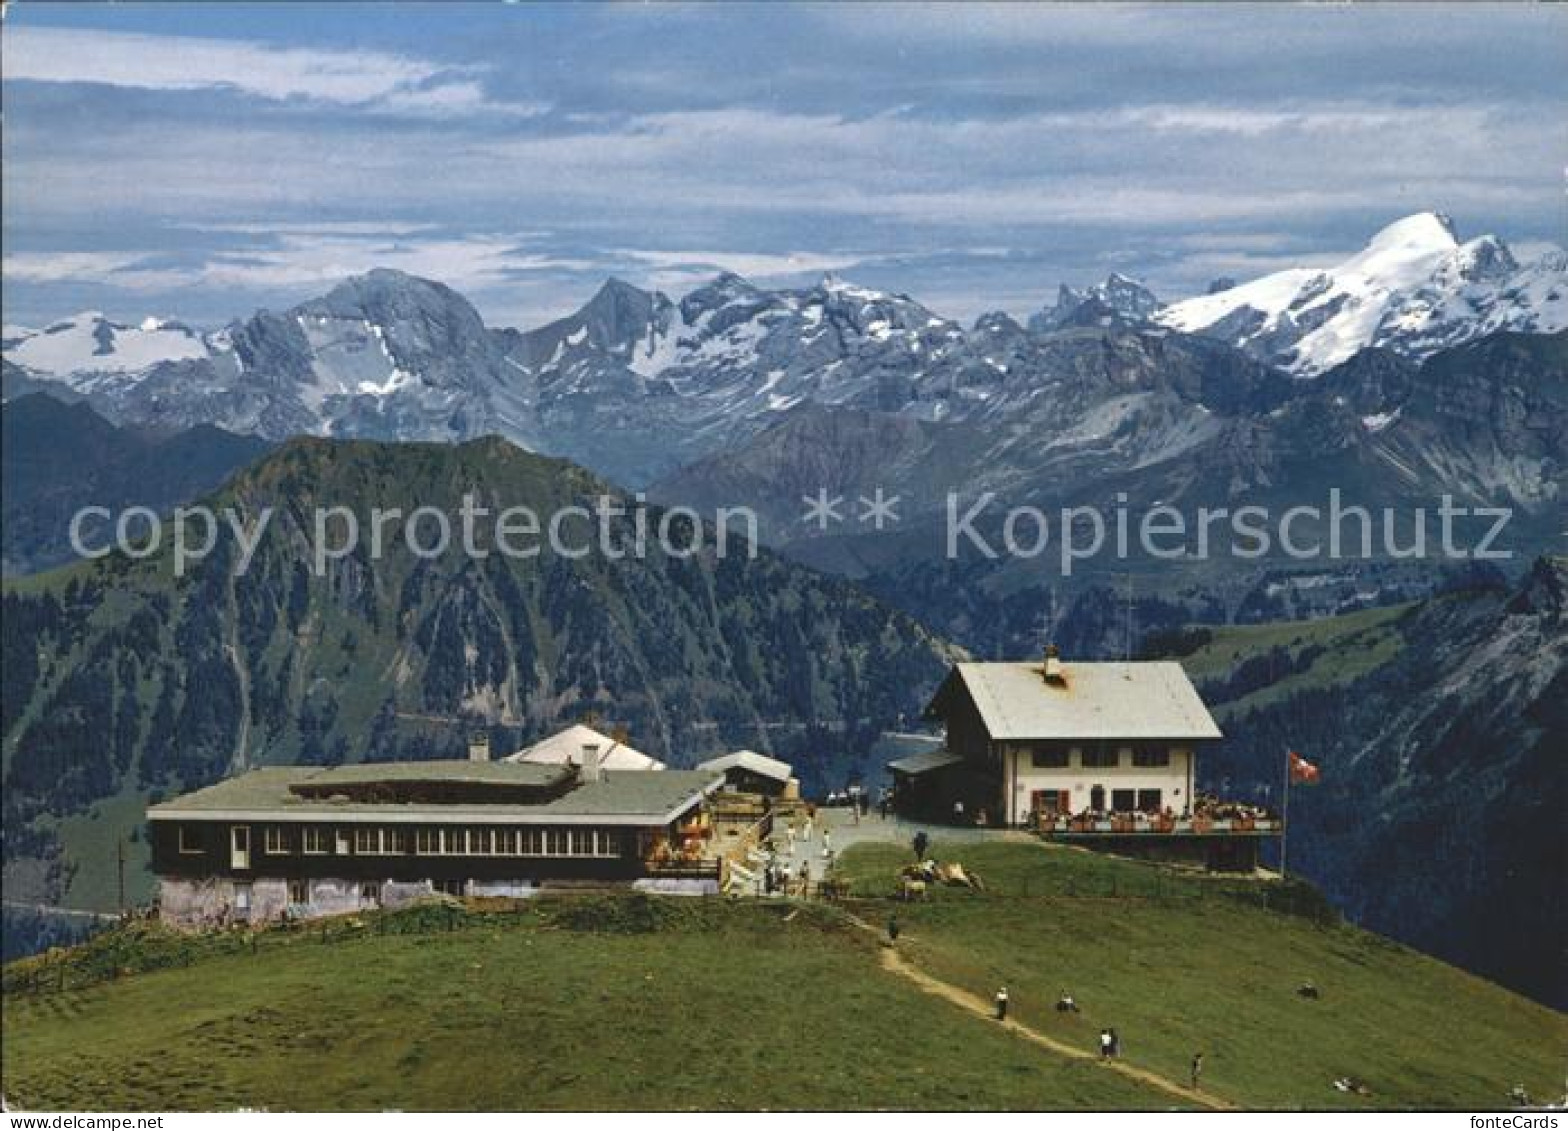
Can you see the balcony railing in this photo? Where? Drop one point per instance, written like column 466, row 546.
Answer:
column 1139, row 825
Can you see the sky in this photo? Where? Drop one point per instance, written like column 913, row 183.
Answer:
column 198, row 161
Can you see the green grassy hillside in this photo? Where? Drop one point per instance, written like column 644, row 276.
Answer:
column 634, row 1002
column 1296, row 656
column 574, row 1004
column 1182, row 963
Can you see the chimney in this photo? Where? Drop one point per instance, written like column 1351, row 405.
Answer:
column 1053, row 666
column 590, row 770
column 479, row 746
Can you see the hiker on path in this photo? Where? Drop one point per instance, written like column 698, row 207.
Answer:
column 1001, row 1004
column 827, row 843
column 1197, row 1070
column 1106, row 1043
column 892, row 928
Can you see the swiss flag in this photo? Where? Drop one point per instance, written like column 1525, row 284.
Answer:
column 1302, row 772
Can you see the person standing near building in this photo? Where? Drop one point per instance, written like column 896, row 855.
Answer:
column 958, row 812
column 1001, row 1004
column 922, row 842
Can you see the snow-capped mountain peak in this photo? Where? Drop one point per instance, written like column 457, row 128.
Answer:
column 88, row 347
column 1429, row 230
column 1405, row 252
column 1415, row 288
column 1117, row 299
column 389, row 355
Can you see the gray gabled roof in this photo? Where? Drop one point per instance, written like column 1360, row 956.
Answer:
column 1147, row 700
column 750, row 760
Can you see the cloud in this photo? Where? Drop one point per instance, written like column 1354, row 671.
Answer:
column 674, row 269
column 65, row 266
column 372, row 79
column 967, row 155
column 294, row 261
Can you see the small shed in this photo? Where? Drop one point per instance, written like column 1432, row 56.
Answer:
column 746, row 771
column 926, row 783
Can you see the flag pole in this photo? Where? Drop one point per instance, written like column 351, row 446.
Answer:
column 1284, row 818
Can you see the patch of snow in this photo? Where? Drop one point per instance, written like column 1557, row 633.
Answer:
column 661, row 350
column 395, row 381
column 1379, row 421
column 90, row 345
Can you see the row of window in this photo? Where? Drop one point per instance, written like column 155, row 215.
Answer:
column 1059, row 803
column 1090, row 757
column 371, row 840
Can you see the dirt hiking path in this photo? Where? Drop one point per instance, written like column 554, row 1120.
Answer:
column 894, row 962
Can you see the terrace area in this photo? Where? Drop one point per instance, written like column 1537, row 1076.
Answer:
column 1212, row 817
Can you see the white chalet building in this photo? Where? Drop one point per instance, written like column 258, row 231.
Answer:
column 1046, row 739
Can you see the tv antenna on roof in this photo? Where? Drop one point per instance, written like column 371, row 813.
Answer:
column 1048, row 619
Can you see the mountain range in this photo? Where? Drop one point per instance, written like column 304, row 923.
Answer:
column 637, row 385
column 1129, row 416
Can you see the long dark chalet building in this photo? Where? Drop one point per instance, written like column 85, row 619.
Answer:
column 310, row 841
